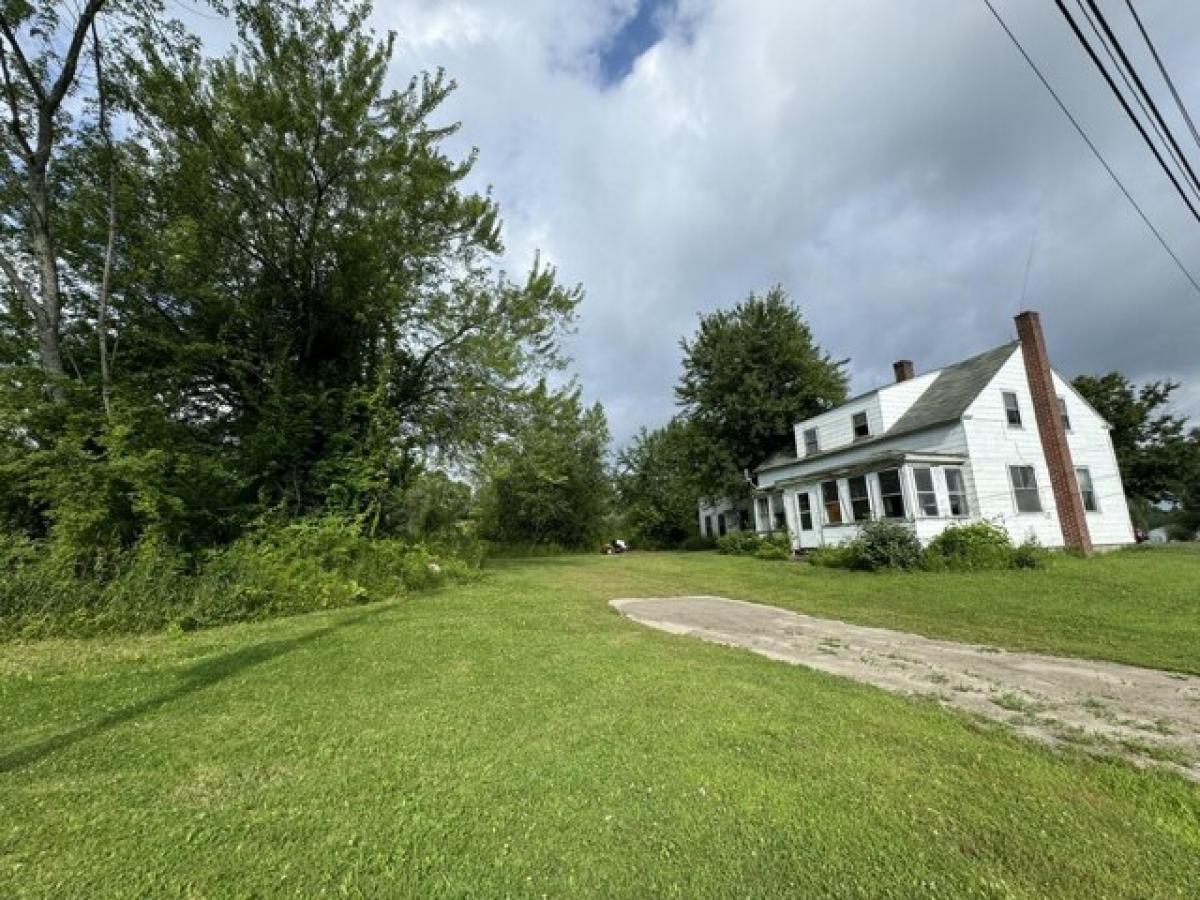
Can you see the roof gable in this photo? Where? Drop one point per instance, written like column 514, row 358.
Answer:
column 955, row 388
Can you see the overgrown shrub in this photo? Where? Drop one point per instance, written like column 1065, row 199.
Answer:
column 1030, row 555
column 698, row 542
column 738, row 543
column 970, row 547
column 746, row 543
column 776, row 545
column 884, row 545
column 307, row 564
column 1177, row 531
column 832, row 557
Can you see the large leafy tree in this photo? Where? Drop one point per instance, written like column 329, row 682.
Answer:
column 749, row 374
column 301, row 307
column 547, row 482
column 656, row 487
column 1154, row 451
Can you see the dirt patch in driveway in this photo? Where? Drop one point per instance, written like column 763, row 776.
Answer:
column 1148, row 716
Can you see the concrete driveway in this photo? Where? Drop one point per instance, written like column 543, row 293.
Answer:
column 1145, row 715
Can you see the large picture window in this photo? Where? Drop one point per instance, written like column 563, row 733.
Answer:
column 891, row 493
column 926, row 495
column 1025, row 489
column 833, row 503
column 956, row 492
column 860, row 500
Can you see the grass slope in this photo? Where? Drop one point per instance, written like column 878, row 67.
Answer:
column 517, row 737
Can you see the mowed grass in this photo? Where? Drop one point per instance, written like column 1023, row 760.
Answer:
column 1140, row 607
column 517, row 737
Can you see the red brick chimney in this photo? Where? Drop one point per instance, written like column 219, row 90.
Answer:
column 1071, row 516
column 903, row 369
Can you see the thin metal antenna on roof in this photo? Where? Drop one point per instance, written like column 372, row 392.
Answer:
column 1028, row 264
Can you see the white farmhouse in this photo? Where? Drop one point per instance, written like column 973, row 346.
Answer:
column 999, row 436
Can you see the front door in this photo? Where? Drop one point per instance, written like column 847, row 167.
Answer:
column 809, row 538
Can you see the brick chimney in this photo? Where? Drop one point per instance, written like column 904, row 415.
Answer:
column 1071, row 516
column 903, row 369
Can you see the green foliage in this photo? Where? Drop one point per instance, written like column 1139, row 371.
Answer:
column 774, row 546
column 970, row 547
column 547, row 484
column 883, row 546
column 656, row 488
column 275, row 569
column 749, row 375
column 1157, row 458
column 697, row 542
column 1178, row 531
column 307, row 316
column 747, row 543
column 1029, row 555
column 841, row 556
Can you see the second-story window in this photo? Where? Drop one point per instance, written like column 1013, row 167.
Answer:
column 1066, row 416
column 811, row 444
column 1012, row 409
column 861, row 427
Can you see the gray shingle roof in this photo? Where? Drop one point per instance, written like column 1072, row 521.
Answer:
column 945, row 400
column 955, row 388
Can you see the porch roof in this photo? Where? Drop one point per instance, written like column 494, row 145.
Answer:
column 886, row 460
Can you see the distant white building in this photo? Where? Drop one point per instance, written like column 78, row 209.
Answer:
column 999, row 436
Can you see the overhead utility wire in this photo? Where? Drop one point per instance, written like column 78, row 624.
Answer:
column 1062, row 7
column 1091, row 146
column 1142, row 97
column 1157, row 116
column 1187, row 117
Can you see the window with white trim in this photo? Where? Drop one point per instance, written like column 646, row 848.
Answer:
column 832, row 502
column 1025, row 489
column 891, row 493
column 862, row 427
column 1012, row 409
column 1087, row 491
column 764, row 513
column 778, row 516
column 811, row 444
column 1066, row 416
column 956, row 491
column 804, row 508
column 860, row 500
column 926, row 495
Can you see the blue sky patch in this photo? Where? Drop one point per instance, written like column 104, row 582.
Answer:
column 636, row 35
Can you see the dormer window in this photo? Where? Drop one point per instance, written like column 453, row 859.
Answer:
column 1012, row 409
column 860, row 425
column 811, row 444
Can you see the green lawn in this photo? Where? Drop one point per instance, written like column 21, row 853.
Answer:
column 515, row 736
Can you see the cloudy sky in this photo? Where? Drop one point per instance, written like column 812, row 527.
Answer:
column 891, row 164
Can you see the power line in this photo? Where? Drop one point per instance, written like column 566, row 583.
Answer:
column 1141, row 96
column 1157, row 116
column 1163, row 70
column 1079, row 35
column 1087, row 140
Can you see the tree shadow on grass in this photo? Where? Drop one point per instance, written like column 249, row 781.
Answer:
column 197, row 677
